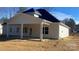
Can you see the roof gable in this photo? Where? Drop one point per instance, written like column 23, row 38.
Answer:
column 21, row 18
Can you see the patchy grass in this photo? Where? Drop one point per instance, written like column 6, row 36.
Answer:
column 67, row 44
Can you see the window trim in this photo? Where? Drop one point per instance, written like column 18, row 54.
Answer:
column 17, row 29
column 10, row 30
column 46, row 30
column 25, row 30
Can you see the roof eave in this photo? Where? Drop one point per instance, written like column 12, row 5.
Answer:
column 64, row 25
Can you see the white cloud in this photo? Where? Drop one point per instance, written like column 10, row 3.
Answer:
column 61, row 16
column 77, row 22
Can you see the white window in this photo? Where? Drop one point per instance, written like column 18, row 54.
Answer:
column 25, row 30
column 35, row 15
column 45, row 30
column 30, row 33
column 10, row 29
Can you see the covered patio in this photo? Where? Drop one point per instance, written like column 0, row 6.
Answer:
column 27, row 30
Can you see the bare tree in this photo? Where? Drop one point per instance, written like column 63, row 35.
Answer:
column 5, row 19
column 69, row 22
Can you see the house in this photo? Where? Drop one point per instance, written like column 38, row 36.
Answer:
column 37, row 24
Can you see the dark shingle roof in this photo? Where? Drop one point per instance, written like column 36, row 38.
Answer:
column 30, row 10
column 44, row 15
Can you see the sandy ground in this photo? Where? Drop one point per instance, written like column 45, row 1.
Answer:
column 67, row 44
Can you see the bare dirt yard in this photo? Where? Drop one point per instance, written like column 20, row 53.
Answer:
column 70, row 43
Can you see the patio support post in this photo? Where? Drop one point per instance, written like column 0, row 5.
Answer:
column 21, row 31
column 41, row 31
column 7, row 30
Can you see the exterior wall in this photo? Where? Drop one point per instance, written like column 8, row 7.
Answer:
column 54, row 30
column 63, row 31
column 58, row 31
column 1, row 29
column 35, row 30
